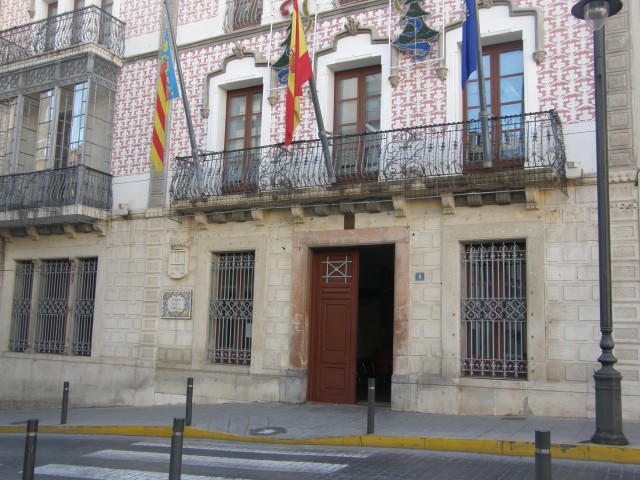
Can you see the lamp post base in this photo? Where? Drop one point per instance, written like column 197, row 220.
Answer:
column 608, row 408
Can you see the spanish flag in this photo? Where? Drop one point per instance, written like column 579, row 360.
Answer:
column 167, row 90
column 299, row 73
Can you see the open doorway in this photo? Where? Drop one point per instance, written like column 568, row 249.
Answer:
column 351, row 334
column 375, row 321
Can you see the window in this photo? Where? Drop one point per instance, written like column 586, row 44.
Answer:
column 52, row 11
column 71, row 124
column 242, row 133
column 504, row 86
column 77, row 22
column 58, row 285
column 243, row 13
column 494, row 310
column 231, row 308
column 7, row 132
column 357, row 112
column 58, row 128
column 108, row 32
column 107, row 6
column 58, row 135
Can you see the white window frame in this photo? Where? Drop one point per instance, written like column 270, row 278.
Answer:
column 239, row 73
column 348, row 55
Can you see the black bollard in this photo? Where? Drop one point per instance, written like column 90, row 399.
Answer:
column 543, row 455
column 175, row 461
column 30, row 450
column 189, row 401
column 65, row 403
column 371, row 400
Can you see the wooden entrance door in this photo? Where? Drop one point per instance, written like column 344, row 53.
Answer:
column 334, row 322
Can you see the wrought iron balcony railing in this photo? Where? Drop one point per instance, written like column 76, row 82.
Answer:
column 85, row 25
column 79, row 185
column 242, row 14
column 527, row 150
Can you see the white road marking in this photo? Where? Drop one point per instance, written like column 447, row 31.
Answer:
column 238, row 463
column 99, row 473
column 252, row 449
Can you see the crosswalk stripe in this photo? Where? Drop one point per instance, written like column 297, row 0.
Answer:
column 253, row 449
column 100, row 473
column 244, row 463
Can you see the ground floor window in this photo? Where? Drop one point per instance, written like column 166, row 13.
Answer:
column 45, row 294
column 494, row 310
column 231, row 308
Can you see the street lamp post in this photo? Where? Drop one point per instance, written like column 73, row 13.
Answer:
column 607, row 379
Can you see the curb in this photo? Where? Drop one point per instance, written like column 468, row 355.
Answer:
column 559, row 451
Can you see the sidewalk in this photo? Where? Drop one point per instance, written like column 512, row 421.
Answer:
column 324, row 424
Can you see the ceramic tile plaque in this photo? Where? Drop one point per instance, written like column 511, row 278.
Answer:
column 176, row 304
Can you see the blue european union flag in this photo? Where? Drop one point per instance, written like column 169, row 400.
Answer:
column 172, row 83
column 469, row 42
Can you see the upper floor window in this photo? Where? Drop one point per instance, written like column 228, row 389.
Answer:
column 107, row 6
column 504, row 87
column 61, row 127
column 243, row 13
column 7, row 134
column 357, row 111
column 243, row 131
column 52, row 9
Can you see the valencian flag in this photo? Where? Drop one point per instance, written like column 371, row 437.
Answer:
column 469, row 42
column 299, row 73
column 167, row 90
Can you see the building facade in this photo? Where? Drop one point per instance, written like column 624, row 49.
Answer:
column 463, row 280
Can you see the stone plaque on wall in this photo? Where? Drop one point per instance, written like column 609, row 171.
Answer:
column 178, row 263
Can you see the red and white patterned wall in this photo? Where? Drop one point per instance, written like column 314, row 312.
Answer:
column 564, row 79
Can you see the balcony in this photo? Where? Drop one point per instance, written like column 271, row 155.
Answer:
column 74, row 195
column 242, row 14
column 83, row 26
column 374, row 169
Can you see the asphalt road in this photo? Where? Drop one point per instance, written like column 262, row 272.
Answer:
column 144, row 458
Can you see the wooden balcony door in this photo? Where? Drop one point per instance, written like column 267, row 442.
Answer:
column 242, row 135
column 51, row 31
column 504, row 86
column 357, row 111
column 334, row 325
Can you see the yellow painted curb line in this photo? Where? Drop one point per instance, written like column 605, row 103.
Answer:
column 560, row 451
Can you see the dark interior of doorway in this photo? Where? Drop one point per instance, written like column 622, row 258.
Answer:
column 375, row 322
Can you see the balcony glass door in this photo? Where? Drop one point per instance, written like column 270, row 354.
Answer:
column 357, row 118
column 243, row 131
column 51, row 27
column 504, row 87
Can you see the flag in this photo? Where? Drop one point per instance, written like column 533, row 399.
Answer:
column 167, row 90
column 469, row 42
column 299, row 73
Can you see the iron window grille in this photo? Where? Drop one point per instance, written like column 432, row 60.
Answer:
column 494, row 310
column 231, row 308
column 84, row 306
column 21, row 311
column 53, row 306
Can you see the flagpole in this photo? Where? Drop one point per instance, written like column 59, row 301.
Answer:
column 484, row 114
column 185, row 103
column 321, row 131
